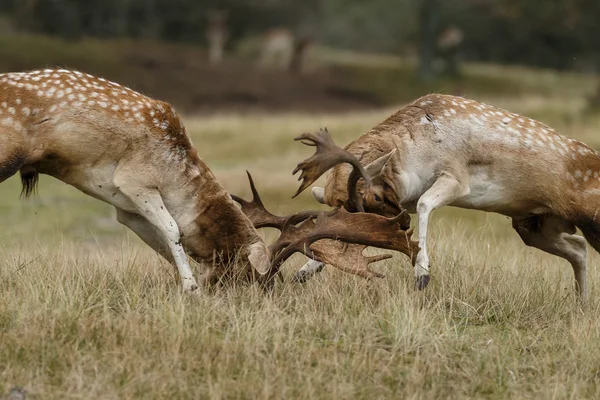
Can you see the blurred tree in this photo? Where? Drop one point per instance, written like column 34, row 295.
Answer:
column 552, row 33
column 429, row 19
column 375, row 26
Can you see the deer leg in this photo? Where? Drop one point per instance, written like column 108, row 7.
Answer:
column 150, row 206
column 145, row 231
column 444, row 191
column 556, row 236
column 308, row 270
column 10, row 166
column 150, row 235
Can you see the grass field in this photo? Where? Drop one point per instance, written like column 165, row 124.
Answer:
column 87, row 311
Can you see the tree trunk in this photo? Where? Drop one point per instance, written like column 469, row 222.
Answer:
column 429, row 16
column 121, row 19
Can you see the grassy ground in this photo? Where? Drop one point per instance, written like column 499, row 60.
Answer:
column 86, row 311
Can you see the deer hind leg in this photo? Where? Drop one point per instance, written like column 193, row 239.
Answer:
column 10, row 165
column 446, row 189
column 151, row 207
column 556, row 236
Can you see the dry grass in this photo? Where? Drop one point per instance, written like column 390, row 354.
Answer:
column 88, row 312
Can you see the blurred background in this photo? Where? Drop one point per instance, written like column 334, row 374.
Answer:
column 310, row 55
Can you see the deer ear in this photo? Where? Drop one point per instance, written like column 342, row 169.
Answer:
column 260, row 258
column 319, row 194
column 377, row 168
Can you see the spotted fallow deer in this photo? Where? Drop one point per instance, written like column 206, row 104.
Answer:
column 133, row 152
column 445, row 150
column 130, row 151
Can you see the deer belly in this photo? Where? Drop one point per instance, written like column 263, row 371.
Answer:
column 485, row 196
column 494, row 196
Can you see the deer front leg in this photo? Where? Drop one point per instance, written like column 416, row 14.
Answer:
column 151, row 207
column 145, row 231
column 150, row 235
column 308, row 270
column 444, row 191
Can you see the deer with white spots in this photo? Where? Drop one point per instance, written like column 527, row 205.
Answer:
column 130, row 151
column 133, row 152
column 444, row 150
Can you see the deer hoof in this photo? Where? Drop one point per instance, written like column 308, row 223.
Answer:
column 421, row 282
column 301, row 277
column 190, row 286
column 191, row 291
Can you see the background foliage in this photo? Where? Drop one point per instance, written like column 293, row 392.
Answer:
column 551, row 33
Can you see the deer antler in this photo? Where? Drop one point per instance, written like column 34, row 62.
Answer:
column 255, row 210
column 357, row 228
column 261, row 218
column 310, row 233
column 347, row 257
column 328, row 155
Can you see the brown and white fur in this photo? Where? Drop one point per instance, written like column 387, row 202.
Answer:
column 445, row 150
column 132, row 152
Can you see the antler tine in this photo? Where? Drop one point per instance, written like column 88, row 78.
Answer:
column 260, row 217
column 255, row 196
column 255, row 210
column 328, row 155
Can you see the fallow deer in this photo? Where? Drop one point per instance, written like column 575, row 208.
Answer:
column 276, row 48
column 445, row 150
column 216, row 35
column 133, row 152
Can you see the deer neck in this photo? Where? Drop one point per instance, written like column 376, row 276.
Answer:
column 210, row 222
column 580, row 195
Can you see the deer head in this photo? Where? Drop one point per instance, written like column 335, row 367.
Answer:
column 377, row 193
column 328, row 155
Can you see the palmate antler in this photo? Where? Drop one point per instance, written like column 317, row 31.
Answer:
column 327, row 156
column 353, row 228
column 347, row 257
column 317, row 234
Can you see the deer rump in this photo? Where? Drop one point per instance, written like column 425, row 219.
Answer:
column 337, row 237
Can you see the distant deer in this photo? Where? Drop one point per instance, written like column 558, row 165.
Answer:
column 444, row 150
column 276, row 48
column 448, row 45
column 133, row 152
column 216, row 35
column 302, row 47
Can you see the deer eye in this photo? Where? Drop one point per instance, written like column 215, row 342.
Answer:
column 377, row 198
